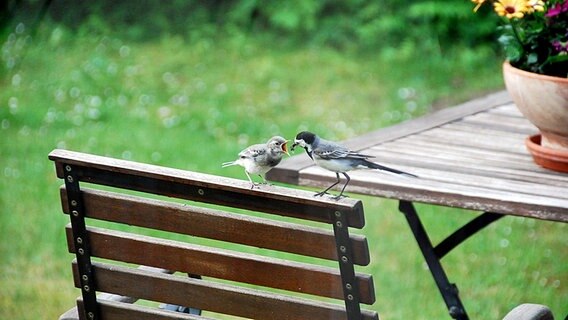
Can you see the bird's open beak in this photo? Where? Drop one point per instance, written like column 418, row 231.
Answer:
column 285, row 148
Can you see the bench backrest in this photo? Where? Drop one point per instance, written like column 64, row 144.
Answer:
column 258, row 253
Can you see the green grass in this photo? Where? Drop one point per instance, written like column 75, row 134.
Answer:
column 193, row 104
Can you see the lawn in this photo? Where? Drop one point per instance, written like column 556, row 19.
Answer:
column 193, row 103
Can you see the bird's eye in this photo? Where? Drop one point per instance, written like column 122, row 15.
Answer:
column 242, row 157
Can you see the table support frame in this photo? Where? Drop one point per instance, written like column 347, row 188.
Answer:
column 433, row 255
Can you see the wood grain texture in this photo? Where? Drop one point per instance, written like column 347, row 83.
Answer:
column 288, row 170
column 221, row 264
column 302, row 284
column 472, row 156
column 112, row 310
column 205, row 188
column 215, row 297
column 220, row 225
column 73, row 313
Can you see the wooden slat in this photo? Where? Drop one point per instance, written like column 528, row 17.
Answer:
column 221, row 264
column 446, row 194
column 112, row 310
column 205, row 188
column 72, row 314
column 428, row 121
column 453, row 137
column 489, row 131
column 423, row 148
column 512, row 124
column 224, row 226
column 507, row 110
column 464, row 152
column 288, row 170
column 483, row 145
column 215, row 297
column 505, row 172
column 462, row 177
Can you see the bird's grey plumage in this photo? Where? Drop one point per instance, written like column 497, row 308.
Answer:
column 258, row 159
column 337, row 158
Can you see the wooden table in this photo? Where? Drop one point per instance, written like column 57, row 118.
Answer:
column 471, row 156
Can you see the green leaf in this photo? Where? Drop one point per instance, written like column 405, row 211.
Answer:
column 532, row 58
column 557, row 58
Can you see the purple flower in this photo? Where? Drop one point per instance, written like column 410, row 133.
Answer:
column 559, row 46
column 558, row 9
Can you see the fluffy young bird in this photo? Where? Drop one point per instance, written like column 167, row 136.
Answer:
column 260, row 158
column 337, row 158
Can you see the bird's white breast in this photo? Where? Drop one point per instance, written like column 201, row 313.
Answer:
column 252, row 167
column 335, row 165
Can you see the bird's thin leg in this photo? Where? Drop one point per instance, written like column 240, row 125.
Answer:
column 319, row 194
column 250, row 179
column 343, row 189
column 264, row 181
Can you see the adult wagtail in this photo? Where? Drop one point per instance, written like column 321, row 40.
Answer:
column 337, row 158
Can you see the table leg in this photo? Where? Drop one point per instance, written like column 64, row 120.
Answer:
column 448, row 290
column 465, row 232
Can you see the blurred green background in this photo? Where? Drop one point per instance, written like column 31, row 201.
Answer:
column 188, row 84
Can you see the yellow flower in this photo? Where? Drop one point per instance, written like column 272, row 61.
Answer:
column 511, row 8
column 479, row 3
column 535, row 5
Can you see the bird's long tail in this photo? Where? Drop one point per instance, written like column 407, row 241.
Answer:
column 228, row 164
column 372, row 165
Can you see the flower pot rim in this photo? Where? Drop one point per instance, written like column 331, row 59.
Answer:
column 556, row 160
column 511, row 68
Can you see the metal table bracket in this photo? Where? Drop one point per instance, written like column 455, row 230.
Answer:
column 433, row 255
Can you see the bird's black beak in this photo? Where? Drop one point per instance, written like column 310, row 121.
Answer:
column 293, row 146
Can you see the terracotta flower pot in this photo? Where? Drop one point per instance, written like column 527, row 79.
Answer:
column 543, row 100
column 553, row 159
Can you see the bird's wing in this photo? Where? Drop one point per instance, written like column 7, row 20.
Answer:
column 331, row 150
column 253, row 151
column 356, row 155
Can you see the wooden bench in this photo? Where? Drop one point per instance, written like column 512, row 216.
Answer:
column 261, row 254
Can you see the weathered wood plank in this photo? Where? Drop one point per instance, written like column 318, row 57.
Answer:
column 427, row 122
column 429, row 147
column 448, row 162
column 446, row 194
column 509, row 110
column 491, row 182
column 288, row 170
column 215, row 297
column 484, row 130
column 525, row 130
column 111, row 310
column 205, row 188
column 221, row 264
column 510, row 123
column 459, row 189
column 527, row 181
column 422, row 147
column 464, row 139
column 72, row 314
column 482, row 144
column 220, row 225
